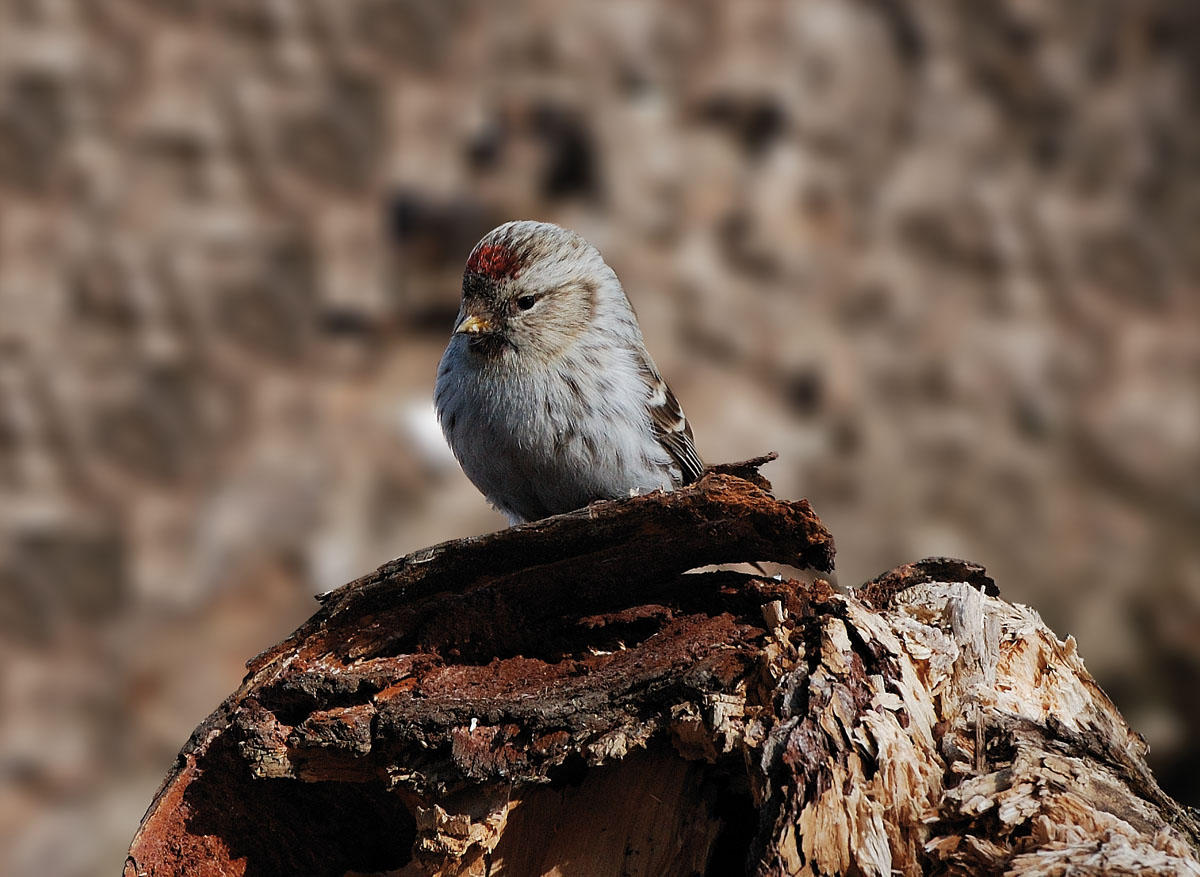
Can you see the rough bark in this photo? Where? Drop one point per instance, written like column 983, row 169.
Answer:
column 571, row 695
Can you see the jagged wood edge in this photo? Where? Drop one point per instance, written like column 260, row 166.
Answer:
column 719, row 519
column 722, row 518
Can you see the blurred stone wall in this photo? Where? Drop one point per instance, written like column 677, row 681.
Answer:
column 943, row 257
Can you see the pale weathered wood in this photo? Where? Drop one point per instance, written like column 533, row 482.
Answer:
column 565, row 698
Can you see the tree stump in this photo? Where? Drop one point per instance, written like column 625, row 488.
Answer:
column 577, row 696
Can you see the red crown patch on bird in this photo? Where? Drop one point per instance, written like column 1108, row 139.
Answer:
column 495, row 261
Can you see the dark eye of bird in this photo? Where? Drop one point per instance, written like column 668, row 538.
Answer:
column 525, row 302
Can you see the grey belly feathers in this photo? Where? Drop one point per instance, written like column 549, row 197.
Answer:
column 514, row 440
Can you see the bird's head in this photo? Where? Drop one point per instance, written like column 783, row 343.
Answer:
column 532, row 288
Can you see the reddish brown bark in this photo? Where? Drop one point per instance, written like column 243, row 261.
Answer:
column 569, row 695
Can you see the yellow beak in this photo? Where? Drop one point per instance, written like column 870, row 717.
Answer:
column 473, row 325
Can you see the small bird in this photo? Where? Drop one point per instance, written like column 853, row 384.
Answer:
column 546, row 393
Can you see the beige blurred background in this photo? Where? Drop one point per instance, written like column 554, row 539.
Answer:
column 942, row 256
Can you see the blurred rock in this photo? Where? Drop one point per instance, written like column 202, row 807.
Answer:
column 943, row 259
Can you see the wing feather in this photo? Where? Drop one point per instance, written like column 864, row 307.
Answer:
column 670, row 425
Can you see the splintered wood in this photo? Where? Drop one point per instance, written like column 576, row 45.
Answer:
column 567, row 698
